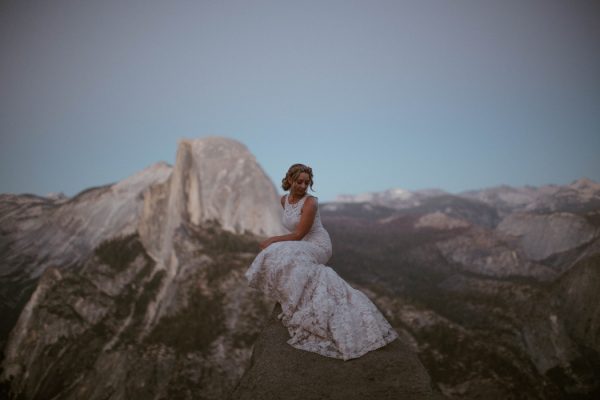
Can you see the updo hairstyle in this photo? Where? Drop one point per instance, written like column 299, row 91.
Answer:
column 293, row 172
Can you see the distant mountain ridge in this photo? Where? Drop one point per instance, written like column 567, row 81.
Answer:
column 394, row 198
column 581, row 192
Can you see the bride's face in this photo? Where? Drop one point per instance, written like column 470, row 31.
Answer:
column 299, row 186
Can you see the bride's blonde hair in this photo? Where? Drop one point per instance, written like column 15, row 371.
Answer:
column 293, row 172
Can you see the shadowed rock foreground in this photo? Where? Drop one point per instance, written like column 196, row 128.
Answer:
column 280, row 371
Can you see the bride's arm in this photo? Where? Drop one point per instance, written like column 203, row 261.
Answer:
column 309, row 211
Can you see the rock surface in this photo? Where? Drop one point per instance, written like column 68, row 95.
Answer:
column 439, row 220
column 484, row 253
column 82, row 333
column 541, row 236
column 40, row 232
column 214, row 179
column 561, row 330
column 37, row 233
column 278, row 371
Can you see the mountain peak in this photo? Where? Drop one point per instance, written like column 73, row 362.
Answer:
column 585, row 184
column 212, row 142
column 213, row 179
column 219, row 179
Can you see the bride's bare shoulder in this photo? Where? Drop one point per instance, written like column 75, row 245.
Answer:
column 283, row 201
column 311, row 201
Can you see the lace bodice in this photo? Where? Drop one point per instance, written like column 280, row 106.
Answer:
column 317, row 233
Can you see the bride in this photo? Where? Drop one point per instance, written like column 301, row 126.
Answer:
column 322, row 313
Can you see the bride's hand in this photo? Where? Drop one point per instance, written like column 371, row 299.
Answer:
column 265, row 243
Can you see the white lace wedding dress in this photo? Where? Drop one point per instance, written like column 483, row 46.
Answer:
column 322, row 312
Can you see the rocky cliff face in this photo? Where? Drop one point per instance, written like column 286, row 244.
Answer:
column 63, row 231
column 561, row 329
column 499, row 301
column 139, row 283
column 542, row 235
column 82, row 334
column 214, row 179
column 37, row 233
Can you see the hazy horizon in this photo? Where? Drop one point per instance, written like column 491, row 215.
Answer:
column 276, row 183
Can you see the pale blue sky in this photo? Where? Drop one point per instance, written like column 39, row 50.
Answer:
column 454, row 95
